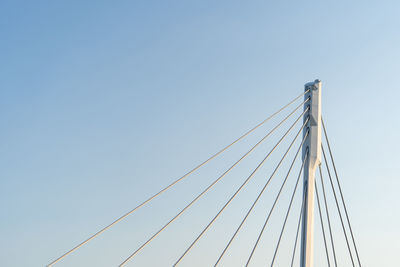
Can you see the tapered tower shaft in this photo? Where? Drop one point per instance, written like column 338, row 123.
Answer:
column 312, row 158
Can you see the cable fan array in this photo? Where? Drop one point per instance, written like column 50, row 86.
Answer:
column 325, row 215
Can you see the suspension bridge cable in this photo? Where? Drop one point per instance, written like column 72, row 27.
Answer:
column 176, row 181
column 207, row 189
column 266, row 184
column 262, row 230
column 287, row 213
column 239, row 189
column 327, row 215
column 341, row 193
column 322, row 224
column 337, row 206
column 298, row 230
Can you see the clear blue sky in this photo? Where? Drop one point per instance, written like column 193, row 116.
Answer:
column 104, row 102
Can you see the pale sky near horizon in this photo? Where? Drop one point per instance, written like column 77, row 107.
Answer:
column 103, row 103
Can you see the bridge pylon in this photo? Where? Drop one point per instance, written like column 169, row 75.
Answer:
column 312, row 158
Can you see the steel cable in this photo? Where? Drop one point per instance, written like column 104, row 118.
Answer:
column 265, row 186
column 205, row 190
column 288, row 211
column 322, row 223
column 341, row 193
column 327, row 215
column 175, row 182
column 262, row 230
column 298, row 230
column 239, row 189
column 337, row 206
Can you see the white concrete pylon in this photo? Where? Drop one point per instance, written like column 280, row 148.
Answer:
column 312, row 147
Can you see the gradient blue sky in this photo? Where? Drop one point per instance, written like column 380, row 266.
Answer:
column 104, row 102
